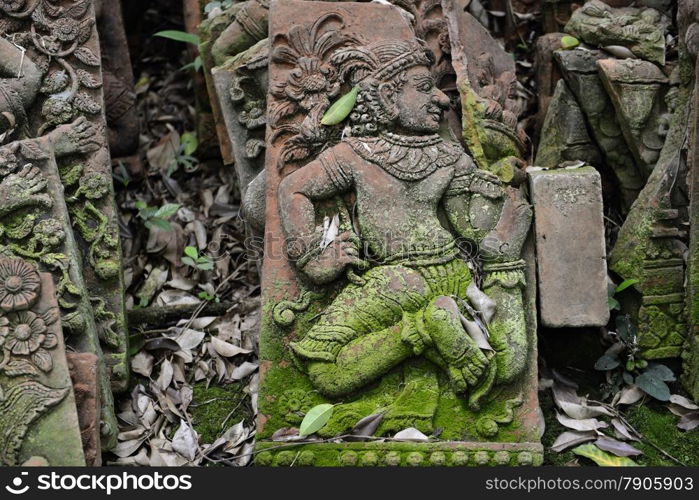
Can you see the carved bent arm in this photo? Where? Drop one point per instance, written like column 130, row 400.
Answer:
column 473, row 202
column 297, row 192
column 25, row 82
column 498, row 219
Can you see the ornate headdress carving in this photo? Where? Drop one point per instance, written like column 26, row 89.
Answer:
column 381, row 61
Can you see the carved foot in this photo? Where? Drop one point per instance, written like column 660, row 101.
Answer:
column 22, row 190
column 465, row 362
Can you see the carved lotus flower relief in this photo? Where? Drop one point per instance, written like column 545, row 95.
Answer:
column 65, row 29
column 19, row 285
column 311, row 82
column 26, row 334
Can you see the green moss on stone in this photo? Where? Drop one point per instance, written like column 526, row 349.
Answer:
column 213, row 405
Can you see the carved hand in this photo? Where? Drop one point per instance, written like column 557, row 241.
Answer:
column 329, row 264
column 76, row 137
column 504, row 243
column 22, row 190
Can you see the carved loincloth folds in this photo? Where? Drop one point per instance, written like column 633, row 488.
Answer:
column 392, row 298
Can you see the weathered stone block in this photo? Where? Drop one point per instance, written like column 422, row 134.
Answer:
column 38, row 418
column 571, row 256
column 582, row 77
column 564, row 136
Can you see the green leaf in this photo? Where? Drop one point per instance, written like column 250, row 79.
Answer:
column 179, row 36
column 602, row 458
column 140, row 204
column 613, row 304
column 625, row 284
column 341, row 108
column 607, row 362
column 315, row 419
column 653, row 386
column 625, row 329
column 167, row 210
column 189, row 143
column 569, row 42
column 191, row 252
column 159, row 223
column 205, row 264
column 661, row 372
column 189, row 261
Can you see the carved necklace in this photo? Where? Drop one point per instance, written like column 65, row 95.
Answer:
column 408, row 158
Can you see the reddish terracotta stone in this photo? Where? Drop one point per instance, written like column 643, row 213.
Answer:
column 84, row 372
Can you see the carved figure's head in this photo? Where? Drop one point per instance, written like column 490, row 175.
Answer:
column 396, row 89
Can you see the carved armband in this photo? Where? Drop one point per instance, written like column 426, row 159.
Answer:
column 505, row 275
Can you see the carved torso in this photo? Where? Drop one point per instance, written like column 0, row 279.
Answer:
column 397, row 198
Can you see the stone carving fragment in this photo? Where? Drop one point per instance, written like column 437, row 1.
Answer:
column 55, row 178
column 642, row 30
column 637, row 89
column 581, row 76
column 37, row 404
column 651, row 245
column 486, row 80
column 564, row 137
column 368, row 302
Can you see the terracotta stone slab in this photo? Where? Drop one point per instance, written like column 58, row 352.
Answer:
column 320, row 51
column 39, row 417
column 84, row 372
column 569, row 228
column 64, row 216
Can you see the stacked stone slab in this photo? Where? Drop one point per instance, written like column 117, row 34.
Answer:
column 55, row 180
column 636, row 106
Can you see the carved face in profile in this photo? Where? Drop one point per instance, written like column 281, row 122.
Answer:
column 418, row 104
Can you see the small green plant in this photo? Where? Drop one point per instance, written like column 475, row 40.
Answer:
column 193, row 259
column 611, row 300
column 208, row 297
column 624, row 360
column 121, row 174
column 188, row 145
column 183, row 36
column 157, row 216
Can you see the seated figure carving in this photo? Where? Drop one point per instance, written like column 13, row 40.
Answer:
column 415, row 196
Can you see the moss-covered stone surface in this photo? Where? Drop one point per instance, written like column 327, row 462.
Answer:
column 216, row 408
